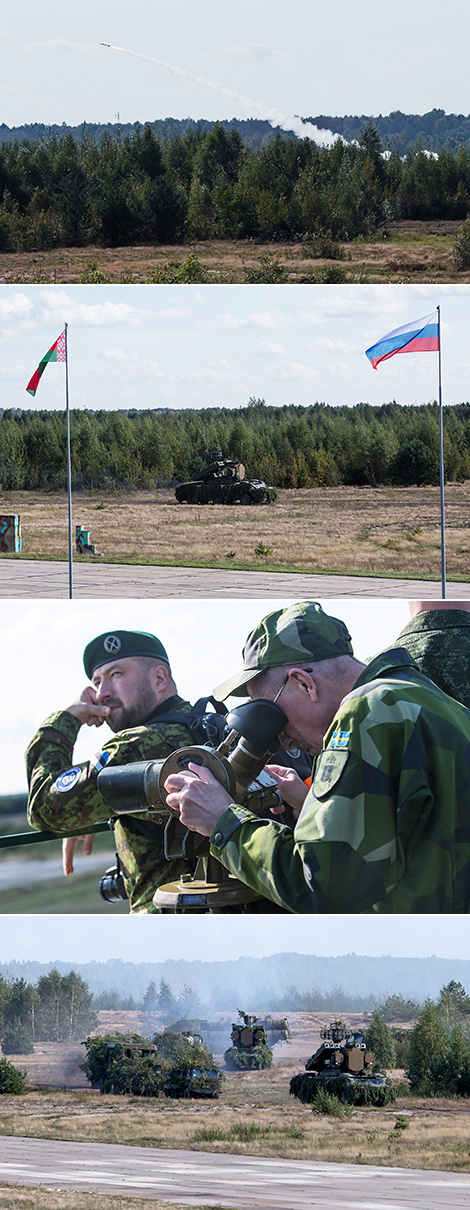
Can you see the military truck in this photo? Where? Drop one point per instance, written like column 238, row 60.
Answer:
column 343, row 1067
column 223, row 481
column 249, row 1050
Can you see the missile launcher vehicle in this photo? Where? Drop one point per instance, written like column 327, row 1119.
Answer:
column 223, row 481
column 249, row 1050
column 343, row 1067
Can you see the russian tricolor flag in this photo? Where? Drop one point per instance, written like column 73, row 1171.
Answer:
column 422, row 336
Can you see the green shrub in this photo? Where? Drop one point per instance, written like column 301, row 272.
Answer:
column 324, row 1102
column 17, row 1038
column 462, row 247
column 11, row 1079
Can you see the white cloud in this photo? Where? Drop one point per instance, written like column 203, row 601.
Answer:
column 60, row 306
column 258, row 319
column 115, row 354
column 212, row 371
column 63, row 46
column 173, row 313
column 298, row 370
column 15, row 308
column 226, row 322
column 325, row 344
column 267, row 350
column 152, row 368
column 252, row 50
column 267, row 319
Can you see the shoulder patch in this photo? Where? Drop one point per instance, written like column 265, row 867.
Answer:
column 340, row 739
column 328, row 770
column 67, row 780
column 99, row 760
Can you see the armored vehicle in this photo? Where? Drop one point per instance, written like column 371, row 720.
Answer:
column 223, row 482
column 249, row 1050
column 215, row 1033
column 344, row 1067
column 194, row 1082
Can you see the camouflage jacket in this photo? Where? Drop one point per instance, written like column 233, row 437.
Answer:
column 386, row 825
column 438, row 641
column 62, row 798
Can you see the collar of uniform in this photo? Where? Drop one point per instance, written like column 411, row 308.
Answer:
column 384, row 662
column 433, row 620
column 171, row 703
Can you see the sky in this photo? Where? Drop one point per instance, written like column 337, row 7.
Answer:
column 218, row 346
column 300, row 58
column 42, row 661
column 212, row 938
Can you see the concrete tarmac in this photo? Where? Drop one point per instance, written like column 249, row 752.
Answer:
column 23, row 578
column 197, row 1178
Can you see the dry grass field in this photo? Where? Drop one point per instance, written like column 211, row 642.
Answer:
column 255, row 1114
column 411, row 251
column 355, row 530
column 13, row 1197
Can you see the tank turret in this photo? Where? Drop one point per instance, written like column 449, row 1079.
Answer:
column 222, row 481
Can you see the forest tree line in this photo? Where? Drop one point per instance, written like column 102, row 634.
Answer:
column 58, row 1008
column 208, row 184
column 289, row 447
column 435, row 130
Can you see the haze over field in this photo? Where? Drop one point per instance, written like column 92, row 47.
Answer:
column 218, row 939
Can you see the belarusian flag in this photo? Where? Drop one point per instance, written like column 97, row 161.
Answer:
column 56, row 353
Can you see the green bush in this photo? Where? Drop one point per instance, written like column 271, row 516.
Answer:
column 17, row 1038
column 325, row 1102
column 462, row 247
column 11, row 1079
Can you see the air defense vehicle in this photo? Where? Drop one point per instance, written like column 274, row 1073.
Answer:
column 343, row 1067
column 249, row 1050
column 223, row 481
column 216, row 1033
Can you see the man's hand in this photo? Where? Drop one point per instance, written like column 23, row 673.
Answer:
column 88, row 710
column 68, row 849
column 198, row 797
column 293, row 789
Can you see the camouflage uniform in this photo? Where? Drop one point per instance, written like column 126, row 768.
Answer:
column 438, row 641
column 61, row 801
column 386, row 825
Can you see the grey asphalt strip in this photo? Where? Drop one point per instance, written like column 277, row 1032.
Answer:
column 240, row 1182
column 24, row 578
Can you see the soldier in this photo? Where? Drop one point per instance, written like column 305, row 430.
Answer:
column 386, row 824
column 131, row 689
column 438, row 640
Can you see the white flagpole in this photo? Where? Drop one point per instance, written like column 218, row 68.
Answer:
column 69, row 465
column 441, row 465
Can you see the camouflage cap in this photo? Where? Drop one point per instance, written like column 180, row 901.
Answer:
column 118, row 645
column 295, row 635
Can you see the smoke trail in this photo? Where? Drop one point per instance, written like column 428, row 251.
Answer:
column 256, row 109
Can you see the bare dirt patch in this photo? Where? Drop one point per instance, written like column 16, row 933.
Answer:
column 408, row 251
column 355, row 530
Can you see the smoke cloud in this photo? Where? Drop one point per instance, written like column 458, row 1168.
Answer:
column 253, row 109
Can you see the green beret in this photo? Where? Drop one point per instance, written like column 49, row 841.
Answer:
column 295, row 635
column 118, row 645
